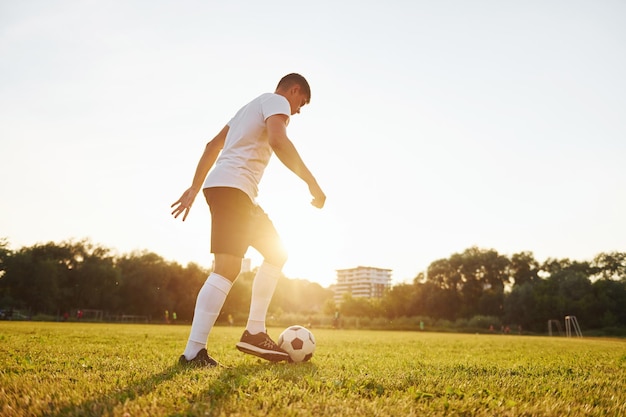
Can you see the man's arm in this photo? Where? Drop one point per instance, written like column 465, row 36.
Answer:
column 208, row 158
column 288, row 155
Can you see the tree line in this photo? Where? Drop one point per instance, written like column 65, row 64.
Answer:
column 54, row 278
column 516, row 290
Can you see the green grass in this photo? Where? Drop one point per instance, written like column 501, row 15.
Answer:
column 82, row 369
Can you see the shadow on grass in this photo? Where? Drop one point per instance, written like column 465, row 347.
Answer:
column 242, row 382
column 230, row 381
column 107, row 401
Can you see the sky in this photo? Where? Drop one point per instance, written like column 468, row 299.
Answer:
column 434, row 126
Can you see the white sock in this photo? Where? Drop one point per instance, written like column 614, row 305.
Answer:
column 263, row 288
column 209, row 303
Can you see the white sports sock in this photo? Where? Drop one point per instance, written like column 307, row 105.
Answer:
column 262, row 291
column 209, row 303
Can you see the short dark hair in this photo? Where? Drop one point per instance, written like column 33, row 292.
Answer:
column 292, row 79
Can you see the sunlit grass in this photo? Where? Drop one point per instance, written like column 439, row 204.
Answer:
column 82, row 369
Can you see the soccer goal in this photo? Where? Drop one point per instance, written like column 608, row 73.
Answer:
column 572, row 323
column 89, row 314
column 557, row 325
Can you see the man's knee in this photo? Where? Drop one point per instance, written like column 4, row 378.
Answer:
column 277, row 258
column 227, row 266
column 230, row 274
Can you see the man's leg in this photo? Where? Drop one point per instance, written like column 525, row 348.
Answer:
column 263, row 288
column 255, row 339
column 266, row 240
column 210, row 301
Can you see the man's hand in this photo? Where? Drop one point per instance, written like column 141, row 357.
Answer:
column 319, row 198
column 184, row 203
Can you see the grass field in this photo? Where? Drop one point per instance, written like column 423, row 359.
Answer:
column 83, row 369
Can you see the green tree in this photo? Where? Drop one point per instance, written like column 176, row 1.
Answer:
column 520, row 306
column 5, row 254
column 565, row 290
column 145, row 278
column 523, row 268
column 32, row 278
column 183, row 288
column 433, row 301
column 609, row 309
column 475, row 278
column 610, row 265
column 299, row 296
column 91, row 279
column 358, row 307
column 398, row 300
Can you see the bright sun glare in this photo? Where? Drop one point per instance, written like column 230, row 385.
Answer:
column 310, row 238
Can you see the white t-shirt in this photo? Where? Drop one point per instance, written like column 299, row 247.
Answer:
column 246, row 150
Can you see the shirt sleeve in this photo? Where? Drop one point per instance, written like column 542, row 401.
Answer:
column 275, row 104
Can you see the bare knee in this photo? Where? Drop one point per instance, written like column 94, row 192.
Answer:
column 276, row 258
column 228, row 266
column 230, row 274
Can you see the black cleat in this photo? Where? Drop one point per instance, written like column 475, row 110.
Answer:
column 261, row 345
column 202, row 359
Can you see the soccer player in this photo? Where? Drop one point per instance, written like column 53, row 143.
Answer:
column 236, row 159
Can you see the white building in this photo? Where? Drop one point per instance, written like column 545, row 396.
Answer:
column 362, row 282
column 246, row 265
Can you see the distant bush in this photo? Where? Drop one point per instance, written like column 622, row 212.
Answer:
column 484, row 322
column 461, row 323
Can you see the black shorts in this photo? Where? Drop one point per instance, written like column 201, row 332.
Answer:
column 237, row 223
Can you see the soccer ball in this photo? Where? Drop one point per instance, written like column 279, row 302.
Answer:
column 298, row 342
